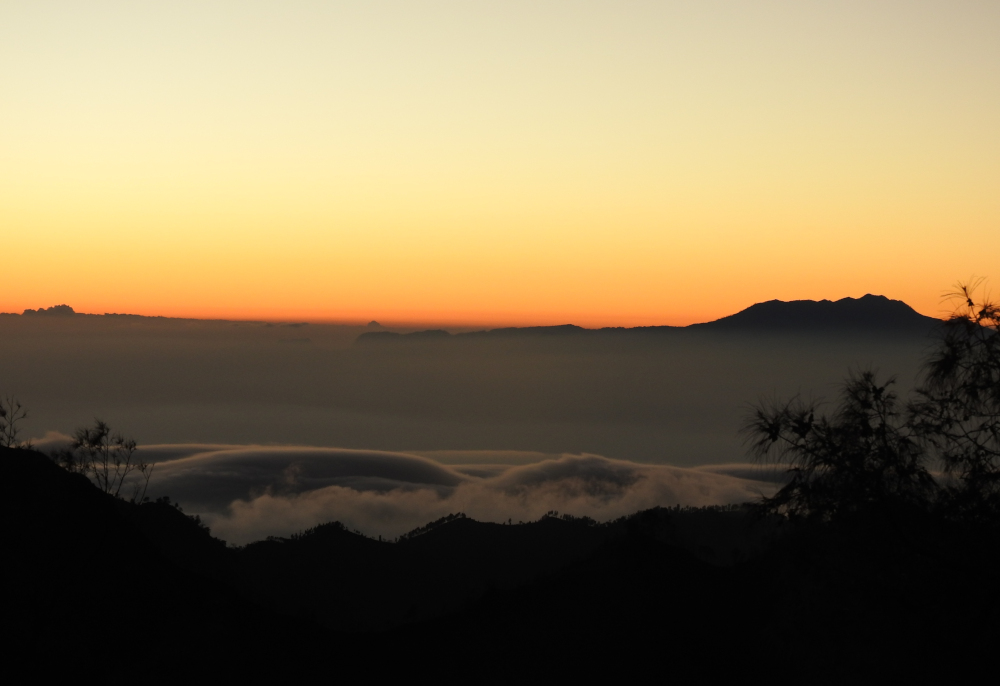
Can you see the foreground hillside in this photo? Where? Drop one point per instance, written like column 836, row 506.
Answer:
column 711, row 594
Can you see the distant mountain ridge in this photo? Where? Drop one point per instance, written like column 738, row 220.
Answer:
column 872, row 312
column 54, row 311
column 67, row 312
column 867, row 314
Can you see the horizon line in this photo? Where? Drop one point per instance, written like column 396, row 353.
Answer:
column 393, row 323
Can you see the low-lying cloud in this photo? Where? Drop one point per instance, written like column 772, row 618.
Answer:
column 246, row 493
column 209, row 481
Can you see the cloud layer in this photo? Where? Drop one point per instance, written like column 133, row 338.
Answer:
column 249, row 492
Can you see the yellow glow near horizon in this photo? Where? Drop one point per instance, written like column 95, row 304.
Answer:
column 468, row 162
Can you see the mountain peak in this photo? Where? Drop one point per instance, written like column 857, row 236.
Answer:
column 869, row 312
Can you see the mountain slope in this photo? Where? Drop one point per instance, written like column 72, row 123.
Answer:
column 88, row 592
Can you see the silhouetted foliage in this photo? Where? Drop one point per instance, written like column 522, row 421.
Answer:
column 433, row 525
column 12, row 413
column 874, row 454
column 861, row 458
column 320, row 529
column 957, row 410
column 108, row 458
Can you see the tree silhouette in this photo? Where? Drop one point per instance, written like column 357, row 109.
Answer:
column 107, row 458
column 863, row 457
column 957, row 410
column 873, row 453
column 12, row 413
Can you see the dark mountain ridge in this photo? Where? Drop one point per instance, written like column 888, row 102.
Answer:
column 874, row 314
column 869, row 312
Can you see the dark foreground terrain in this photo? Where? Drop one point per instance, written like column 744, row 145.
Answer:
column 102, row 587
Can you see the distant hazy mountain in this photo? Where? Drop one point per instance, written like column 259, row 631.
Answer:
column 506, row 332
column 869, row 313
column 54, row 311
column 674, row 395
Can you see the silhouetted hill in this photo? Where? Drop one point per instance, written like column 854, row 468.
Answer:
column 148, row 588
column 636, row 606
column 873, row 313
column 86, row 592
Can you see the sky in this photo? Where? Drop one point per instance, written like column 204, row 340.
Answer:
column 601, row 163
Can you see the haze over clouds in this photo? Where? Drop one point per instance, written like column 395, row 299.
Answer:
column 676, row 399
column 393, row 434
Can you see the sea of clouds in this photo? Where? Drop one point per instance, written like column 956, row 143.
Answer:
column 246, row 493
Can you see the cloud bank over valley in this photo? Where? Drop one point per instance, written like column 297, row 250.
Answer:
column 245, row 493
column 502, row 426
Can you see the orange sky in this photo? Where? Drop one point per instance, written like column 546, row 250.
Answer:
column 601, row 163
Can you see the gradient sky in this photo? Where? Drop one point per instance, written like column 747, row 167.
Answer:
column 511, row 162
